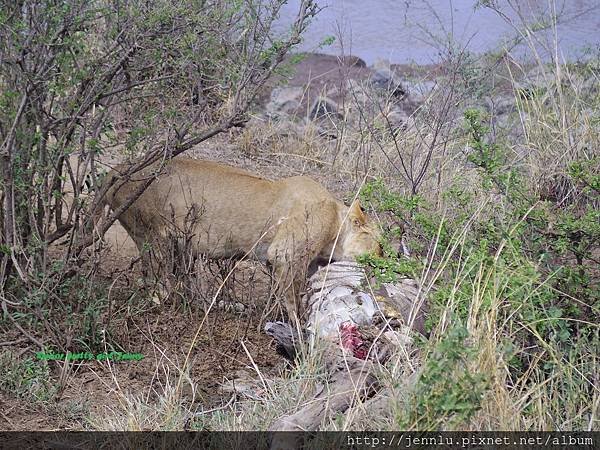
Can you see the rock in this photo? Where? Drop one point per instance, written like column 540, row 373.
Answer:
column 536, row 81
column 352, row 61
column 284, row 101
column 500, row 109
column 231, row 306
column 324, row 107
column 325, row 89
column 591, row 85
column 419, row 91
column 499, row 106
column 316, row 74
column 386, row 79
column 395, row 120
column 357, row 90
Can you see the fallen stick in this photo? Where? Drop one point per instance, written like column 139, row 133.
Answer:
column 352, row 380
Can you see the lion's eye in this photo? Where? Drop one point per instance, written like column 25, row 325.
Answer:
column 356, row 223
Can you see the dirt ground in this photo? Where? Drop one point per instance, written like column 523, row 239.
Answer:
column 163, row 338
column 163, row 334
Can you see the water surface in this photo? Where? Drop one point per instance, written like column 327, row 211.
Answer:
column 412, row 30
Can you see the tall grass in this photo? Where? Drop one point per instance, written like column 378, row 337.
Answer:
column 503, row 231
column 508, row 250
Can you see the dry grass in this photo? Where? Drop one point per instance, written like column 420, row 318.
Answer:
column 558, row 388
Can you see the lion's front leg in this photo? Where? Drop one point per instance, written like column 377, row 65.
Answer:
column 289, row 287
column 290, row 263
column 296, row 243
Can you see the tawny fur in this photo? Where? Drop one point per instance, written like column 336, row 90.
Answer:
column 287, row 222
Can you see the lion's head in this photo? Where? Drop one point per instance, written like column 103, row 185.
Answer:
column 359, row 234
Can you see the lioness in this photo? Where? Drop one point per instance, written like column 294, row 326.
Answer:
column 287, row 223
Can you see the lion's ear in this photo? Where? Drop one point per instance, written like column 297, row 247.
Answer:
column 357, row 216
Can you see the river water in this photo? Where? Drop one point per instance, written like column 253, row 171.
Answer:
column 411, row 30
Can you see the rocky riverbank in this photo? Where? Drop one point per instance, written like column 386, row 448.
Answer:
column 327, row 91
